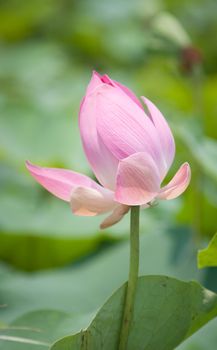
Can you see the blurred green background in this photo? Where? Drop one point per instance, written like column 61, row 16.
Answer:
column 165, row 50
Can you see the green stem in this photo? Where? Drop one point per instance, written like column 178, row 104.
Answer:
column 133, row 277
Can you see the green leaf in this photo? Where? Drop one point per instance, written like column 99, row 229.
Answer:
column 83, row 288
column 39, row 328
column 166, row 312
column 208, row 256
column 183, row 307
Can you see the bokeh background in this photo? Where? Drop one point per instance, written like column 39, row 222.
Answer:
column 165, row 50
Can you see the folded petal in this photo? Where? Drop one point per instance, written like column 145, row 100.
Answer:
column 123, row 126
column 86, row 201
column 178, row 184
column 102, row 161
column 138, row 180
column 60, row 182
column 164, row 133
column 117, row 214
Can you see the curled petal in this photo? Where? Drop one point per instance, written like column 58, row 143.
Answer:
column 138, row 180
column 178, row 184
column 102, row 161
column 90, row 201
column 123, row 125
column 117, row 214
column 60, row 182
column 164, row 133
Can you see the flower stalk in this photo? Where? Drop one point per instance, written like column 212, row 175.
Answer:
column 133, row 277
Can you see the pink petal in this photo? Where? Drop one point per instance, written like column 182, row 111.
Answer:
column 117, row 214
column 102, row 161
column 178, row 184
column 60, row 182
column 138, row 180
column 105, row 78
column 94, row 82
column 123, row 126
column 164, row 133
column 90, row 201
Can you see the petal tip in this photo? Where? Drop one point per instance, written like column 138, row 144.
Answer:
column 102, row 226
column 187, row 172
column 95, row 74
column 178, row 184
column 115, row 216
column 30, row 166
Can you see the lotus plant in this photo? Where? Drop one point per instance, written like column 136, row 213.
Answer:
column 129, row 149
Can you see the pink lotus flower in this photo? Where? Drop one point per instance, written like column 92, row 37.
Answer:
column 129, row 150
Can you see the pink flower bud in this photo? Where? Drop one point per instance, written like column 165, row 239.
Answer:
column 129, row 151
